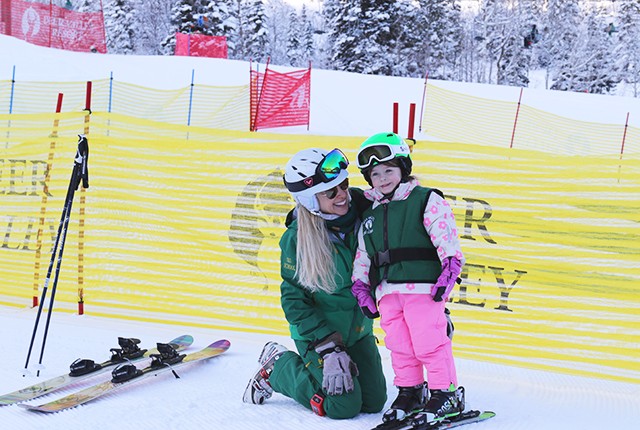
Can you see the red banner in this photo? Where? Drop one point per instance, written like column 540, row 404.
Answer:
column 280, row 99
column 201, row 45
column 54, row 26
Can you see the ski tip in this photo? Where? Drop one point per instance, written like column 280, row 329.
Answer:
column 185, row 339
column 222, row 343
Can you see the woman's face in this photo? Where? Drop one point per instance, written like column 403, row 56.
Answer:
column 385, row 178
column 336, row 200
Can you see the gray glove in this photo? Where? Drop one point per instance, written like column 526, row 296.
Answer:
column 338, row 367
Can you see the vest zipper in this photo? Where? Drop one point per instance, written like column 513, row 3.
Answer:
column 385, row 237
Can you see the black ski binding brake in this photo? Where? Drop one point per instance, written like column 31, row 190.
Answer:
column 128, row 350
column 167, row 355
column 82, row 366
column 124, row 373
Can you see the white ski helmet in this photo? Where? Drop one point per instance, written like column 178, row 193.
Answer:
column 312, row 171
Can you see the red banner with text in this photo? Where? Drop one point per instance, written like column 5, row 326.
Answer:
column 45, row 24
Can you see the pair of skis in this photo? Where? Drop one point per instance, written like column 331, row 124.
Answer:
column 164, row 358
column 419, row 421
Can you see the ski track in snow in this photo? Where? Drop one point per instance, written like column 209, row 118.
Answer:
column 208, row 394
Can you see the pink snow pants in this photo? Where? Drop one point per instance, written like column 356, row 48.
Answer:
column 416, row 334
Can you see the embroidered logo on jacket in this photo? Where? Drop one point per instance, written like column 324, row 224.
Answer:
column 367, row 225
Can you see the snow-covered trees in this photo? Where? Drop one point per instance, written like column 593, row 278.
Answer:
column 120, row 25
column 562, row 40
column 250, row 38
column 438, row 35
column 152, row 25
column 627, row 51
column 183, row 18
column 492, row 41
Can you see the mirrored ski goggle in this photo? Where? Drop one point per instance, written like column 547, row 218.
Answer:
column 331, row 165
column 377, row 153
column 333, row 192
column 326, row 171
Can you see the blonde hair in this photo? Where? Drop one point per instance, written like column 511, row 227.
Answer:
column 315, row 267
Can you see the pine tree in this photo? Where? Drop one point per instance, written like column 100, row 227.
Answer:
column 258, row 35
column 627, row 50
column 250, row 39
column 519, row 41
column 363, row 38
column 213, row 18
column 441, row 37
column 562, row 42
column 409, row 32
column 594, row 71
column 119, row 27
column 332, row 11
column 151, row 25
column 293, row 39
column 236, row 39
column 278, row 28
column 306, row 37
column 493, row 29
column 182, row 21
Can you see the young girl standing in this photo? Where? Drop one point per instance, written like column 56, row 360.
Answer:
column 408, row 258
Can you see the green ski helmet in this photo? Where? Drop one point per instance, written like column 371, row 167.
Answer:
column 380, row 148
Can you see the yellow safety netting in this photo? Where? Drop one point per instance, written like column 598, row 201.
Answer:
column 458, row 117
column 181, row 224
column 197, row 105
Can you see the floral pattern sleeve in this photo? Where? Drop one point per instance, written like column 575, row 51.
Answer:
column 440, row 224
column 361, row 262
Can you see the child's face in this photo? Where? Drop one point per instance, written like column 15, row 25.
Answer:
column 385, row 178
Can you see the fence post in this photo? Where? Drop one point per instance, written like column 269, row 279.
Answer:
column 395, row 117
column 424, row 99
column 43, row 203
column 81, row 217
column 309, row 118
column 110, row 91
column 412, row 119
column 624, row 135
column 515, row 122
column 193, row 71
column 260, row 89
column 13, row 84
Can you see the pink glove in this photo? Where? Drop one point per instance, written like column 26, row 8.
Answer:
column 362, row 293
column 451, row 268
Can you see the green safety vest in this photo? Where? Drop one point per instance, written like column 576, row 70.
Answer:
column 397, row 243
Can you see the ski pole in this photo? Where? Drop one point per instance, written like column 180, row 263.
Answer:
column 79, row 173
column 47, row 280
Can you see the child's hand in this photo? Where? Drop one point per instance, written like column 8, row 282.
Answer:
column 451, row 268
column 362, row 293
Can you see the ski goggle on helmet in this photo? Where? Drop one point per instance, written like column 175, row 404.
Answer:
column 312, row 171
column 380, row 148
